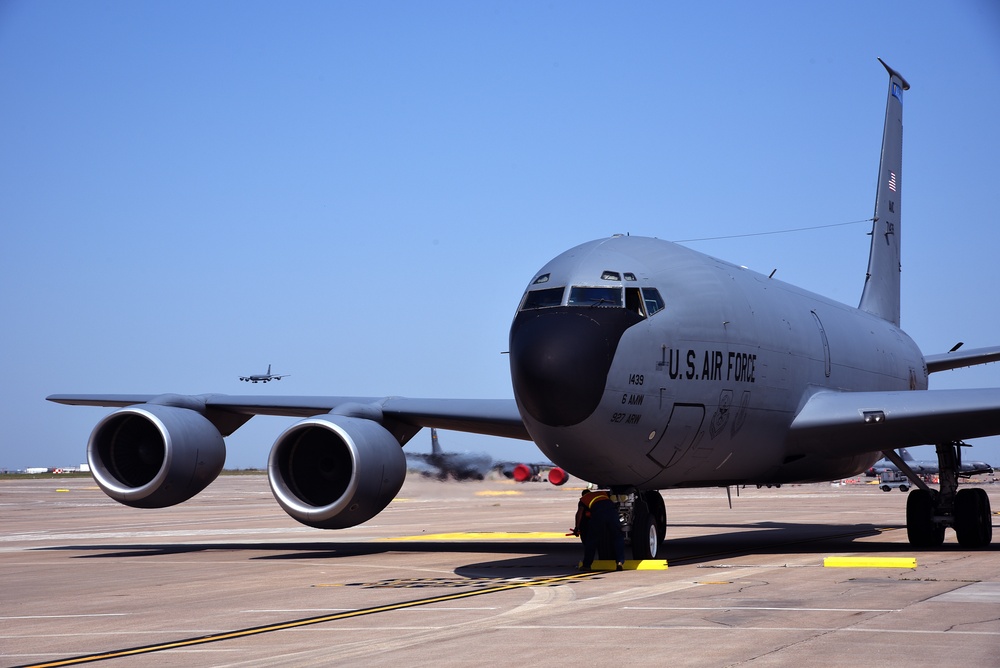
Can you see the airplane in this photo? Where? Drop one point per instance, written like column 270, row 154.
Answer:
column 264, row 377
column 475, row 465
column 637, row 364
column 532, row 472
column 926, row 466
column 442, row 465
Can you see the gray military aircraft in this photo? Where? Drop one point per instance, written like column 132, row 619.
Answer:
column 264, row 377
column 532, row 472
column 926, row 466
column 636, row 364
column 443, row 465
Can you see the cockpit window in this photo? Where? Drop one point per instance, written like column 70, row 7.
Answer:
column 542, row 298
column 610, row 297
column 653, row 301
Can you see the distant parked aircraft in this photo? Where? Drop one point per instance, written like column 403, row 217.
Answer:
column 926, row 466
column 264, row 377
column 522, row 472
column 443, row 465
column 475, row 465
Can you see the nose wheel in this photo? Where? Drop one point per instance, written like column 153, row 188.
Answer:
column 644, row 522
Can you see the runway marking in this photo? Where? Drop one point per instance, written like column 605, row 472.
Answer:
column 484, row 535
column 751, row 629
column 870, row 562
column 99, row 614
column 748, row 607
column 504, row 492
column 308, row 621
column 416, row 583
column 170, row 533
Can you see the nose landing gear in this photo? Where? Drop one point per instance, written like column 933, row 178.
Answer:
column 644, row 521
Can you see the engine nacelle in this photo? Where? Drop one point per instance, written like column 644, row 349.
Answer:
column 334, row 471
column 154, row 456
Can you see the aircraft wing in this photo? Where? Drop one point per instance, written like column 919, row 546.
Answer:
column 846, row 423
column 961, row 358
column 494, row 417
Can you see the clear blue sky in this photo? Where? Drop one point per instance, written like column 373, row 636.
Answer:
column 358, row 193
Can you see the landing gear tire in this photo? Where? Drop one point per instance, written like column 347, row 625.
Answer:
column 973, row 519
column 921, row 530
column 646, row 536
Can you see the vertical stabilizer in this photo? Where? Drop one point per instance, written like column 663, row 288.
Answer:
column 435, row 446
column 881, row 293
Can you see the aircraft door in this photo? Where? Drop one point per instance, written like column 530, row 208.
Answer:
column 682, row 431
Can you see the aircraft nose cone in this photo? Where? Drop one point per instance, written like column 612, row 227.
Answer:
column 559, row 360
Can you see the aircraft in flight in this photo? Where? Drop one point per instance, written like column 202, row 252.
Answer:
column 264, row 377
column 638, row 365
column 926, row 466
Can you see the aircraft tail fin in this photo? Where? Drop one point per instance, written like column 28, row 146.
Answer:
column 905, row 454
column 435, row 446
column 268, row 373
column 881, row 293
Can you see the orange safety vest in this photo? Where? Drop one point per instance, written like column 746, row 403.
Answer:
column 590, row 498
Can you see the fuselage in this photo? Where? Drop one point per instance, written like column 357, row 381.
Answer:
column 638, row 362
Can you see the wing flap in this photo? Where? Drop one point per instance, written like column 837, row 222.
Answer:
column 847, row 423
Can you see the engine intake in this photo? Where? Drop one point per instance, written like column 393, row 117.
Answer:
column 334, row 472
column 154, row 456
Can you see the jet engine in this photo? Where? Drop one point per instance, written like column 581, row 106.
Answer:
column 154, row 456
column 335, row 471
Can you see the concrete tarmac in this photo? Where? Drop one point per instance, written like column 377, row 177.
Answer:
column 479, row 573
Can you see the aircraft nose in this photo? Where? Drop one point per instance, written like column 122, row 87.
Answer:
column 560, row 358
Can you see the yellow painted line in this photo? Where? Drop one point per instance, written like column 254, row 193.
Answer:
column 485, row 535
column 630, row 565
column 62, row 490
column 298, row 623
column 499, row 492
column 870, row 562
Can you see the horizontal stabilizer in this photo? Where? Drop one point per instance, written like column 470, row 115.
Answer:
column 962, row 358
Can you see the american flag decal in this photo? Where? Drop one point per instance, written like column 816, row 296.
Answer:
column 892, row 181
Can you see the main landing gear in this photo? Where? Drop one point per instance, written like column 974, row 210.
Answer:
column 644, row 522
column 929, row 512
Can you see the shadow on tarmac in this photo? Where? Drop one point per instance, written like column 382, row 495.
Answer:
column 546, row 557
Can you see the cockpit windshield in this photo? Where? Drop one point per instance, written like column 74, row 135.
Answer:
column 599, row 296
column 546, row 298
column 642, row 301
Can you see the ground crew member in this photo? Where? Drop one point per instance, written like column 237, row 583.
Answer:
column 597, row 517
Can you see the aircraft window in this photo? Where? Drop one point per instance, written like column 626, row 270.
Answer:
column 633, row 301
column 653, row 300
column 629, row 276
column 544, row 278
column 579, row 296
column 610, row 276
column 542, row 298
